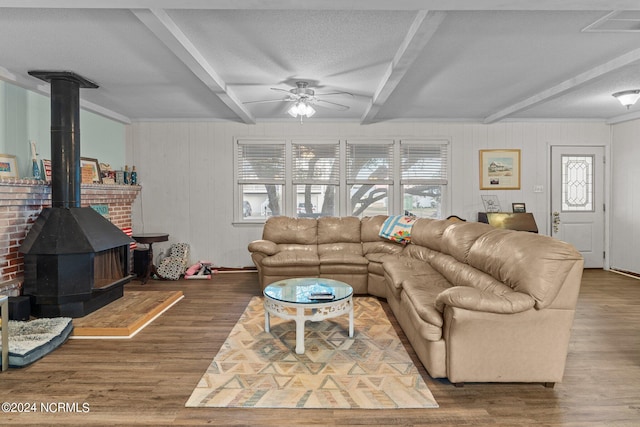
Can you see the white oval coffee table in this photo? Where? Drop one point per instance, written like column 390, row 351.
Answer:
column 293, row 299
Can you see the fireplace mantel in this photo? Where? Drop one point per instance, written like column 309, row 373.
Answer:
column 21, row 201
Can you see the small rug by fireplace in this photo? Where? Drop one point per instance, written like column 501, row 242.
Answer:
column 126, row 316
column 257, row 369
column 34, row 339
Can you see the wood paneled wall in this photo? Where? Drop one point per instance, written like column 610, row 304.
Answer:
column 625, row 197
column 186, row 170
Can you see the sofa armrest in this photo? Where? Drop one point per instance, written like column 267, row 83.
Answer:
column 477, row 300
column 266, row 247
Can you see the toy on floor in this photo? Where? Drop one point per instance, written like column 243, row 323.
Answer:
column 200, row 270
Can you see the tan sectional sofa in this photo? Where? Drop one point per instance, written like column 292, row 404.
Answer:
column 478, row 304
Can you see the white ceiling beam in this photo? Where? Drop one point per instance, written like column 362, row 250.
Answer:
column 36, row 85
column 443, row 5
column 422, row 29
column 567, row 85
column 161, row 24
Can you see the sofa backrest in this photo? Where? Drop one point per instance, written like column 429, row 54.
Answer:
column 459, row 237
column 285, row 230
column 339, row 234
column 370, row 235
column 495, row 260
column 529, row 263
column 428, row 232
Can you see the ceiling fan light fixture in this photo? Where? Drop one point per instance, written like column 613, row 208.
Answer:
column 301, row 109
column 627, row 97
column 293, row 111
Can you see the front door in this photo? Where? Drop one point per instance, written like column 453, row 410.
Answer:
column 577, row 200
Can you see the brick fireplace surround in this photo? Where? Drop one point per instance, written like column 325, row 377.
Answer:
column 21, row 201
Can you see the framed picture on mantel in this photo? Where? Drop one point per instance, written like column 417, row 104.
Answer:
column 90, row 171
column 8, row 166
column 499, row 169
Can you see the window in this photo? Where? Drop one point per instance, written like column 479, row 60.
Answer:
column 577, row 183
column 316, row 176
column 369, row 177
column 362, row 177
column 260, row 173
column 423, row 176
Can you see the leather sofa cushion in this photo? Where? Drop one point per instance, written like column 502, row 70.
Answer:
column 386, row 247
column 400, row 269
column 376, row 260
column 425, row 330
column 477, row 300
column 418, row 252
column 339, row 229
column 282, row 229
column 428, row 232
column 460, row 274
column 349, row 269
column 291, row 258
column 370, row 228
column 342, row 257
column 423, row 297
column 339, row 248
column 529, row 263
column 459, row 237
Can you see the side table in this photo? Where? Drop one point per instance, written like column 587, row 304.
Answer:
column 150, row 239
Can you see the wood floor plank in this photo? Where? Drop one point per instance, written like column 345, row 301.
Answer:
column 147, row 379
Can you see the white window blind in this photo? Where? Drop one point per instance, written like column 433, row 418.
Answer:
column 316, row 163
column 262, row 163
column 424, row 162
column 370, row 162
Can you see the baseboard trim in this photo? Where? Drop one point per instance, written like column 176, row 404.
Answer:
column 626, row 273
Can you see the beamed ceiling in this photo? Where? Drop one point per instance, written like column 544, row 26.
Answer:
column 480, row 61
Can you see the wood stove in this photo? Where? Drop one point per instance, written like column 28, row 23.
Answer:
column 75, row 260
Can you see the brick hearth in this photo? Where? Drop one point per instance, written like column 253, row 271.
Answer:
column 21, row 201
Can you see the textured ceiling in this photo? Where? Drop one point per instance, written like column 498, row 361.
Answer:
column 483, row 61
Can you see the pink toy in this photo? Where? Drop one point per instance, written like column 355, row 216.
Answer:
column 200, row 270
column 193, row 269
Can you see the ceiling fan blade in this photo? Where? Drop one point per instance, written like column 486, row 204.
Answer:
column 335, row 93
column 331, row 105
column 268, row 100
column 283, row 90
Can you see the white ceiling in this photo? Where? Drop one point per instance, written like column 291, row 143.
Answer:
column 474, row 60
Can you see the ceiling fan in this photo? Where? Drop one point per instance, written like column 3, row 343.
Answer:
column 303, row 98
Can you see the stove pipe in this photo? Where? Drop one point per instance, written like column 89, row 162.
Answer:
column 65, row 135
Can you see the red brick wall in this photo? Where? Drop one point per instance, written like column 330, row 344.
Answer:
column 21, row 201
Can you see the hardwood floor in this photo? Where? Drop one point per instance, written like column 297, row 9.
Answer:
column 146, row 380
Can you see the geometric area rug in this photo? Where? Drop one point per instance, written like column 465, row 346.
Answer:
column 257, row 369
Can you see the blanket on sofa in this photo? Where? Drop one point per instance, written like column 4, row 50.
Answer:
column 397, row 228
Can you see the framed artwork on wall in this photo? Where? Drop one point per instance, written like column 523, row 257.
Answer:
column 499, row 169
column 90, row 171
column 8, row 166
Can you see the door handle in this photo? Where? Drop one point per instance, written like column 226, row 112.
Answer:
column 556, row 221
